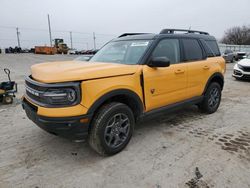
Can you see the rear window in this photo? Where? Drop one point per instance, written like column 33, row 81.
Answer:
column 192, row 50
column 212, row 44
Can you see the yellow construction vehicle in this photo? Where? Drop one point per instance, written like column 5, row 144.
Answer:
column 60, row 46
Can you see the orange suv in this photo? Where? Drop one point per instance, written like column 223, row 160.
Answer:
column 133, row 76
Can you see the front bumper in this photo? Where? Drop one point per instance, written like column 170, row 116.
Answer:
column 238, row 73
column 73, row 128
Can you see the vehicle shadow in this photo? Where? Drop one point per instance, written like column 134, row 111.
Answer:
column 63, row 149
column 241, row 80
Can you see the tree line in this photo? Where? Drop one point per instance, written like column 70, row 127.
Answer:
column 239, row 35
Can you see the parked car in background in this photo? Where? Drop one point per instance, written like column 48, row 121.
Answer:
column 92, row 52
column 242, row 69
column 83, row 58
column 73, row 52
column 241, row 55
column 229, row 55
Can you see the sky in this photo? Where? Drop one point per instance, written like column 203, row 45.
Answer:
column 110, row 18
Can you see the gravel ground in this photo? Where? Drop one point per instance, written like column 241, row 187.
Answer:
column 171, row 150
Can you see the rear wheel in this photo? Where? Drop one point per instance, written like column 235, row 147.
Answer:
column 212, row 98
column 111, row 129
column 7, row 99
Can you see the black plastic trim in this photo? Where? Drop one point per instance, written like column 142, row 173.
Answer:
column 173, row 107
column 142, row 87
column 217, row 74
column 67, row 127
column 114, row 93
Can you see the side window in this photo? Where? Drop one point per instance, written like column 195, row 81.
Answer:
column 192, row 50
column 208, row 50
column 213, row 46
column 169, row 48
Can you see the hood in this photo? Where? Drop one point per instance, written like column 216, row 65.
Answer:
column 244, row 62
column 66, row 71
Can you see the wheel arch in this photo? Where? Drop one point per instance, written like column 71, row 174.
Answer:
column 216, row 77
column 125, row 96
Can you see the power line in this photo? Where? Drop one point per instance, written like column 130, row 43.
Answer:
column 102, row 38
column 62, row 31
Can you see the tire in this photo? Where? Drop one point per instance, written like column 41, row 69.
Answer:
column 111, row 128
column 7, row 99
column 212, row 98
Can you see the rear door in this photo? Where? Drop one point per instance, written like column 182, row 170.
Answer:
column 165, row 85
column 197, row 67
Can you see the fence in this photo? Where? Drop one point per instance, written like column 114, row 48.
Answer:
column 235, row 48
column 30, row 37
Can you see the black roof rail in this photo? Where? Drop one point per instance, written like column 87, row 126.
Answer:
column 172, row 31
column 129, row 34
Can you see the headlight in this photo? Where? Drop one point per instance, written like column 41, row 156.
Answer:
column 54, row 94
column 240, row 67
column 64, row 96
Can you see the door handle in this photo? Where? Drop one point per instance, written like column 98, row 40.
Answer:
column 179, row 71
column 206, row 67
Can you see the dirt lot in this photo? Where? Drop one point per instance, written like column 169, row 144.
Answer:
column 164, row 151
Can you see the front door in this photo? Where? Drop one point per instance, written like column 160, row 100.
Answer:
column 165, row 85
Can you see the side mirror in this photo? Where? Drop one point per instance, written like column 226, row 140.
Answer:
column 159, row 62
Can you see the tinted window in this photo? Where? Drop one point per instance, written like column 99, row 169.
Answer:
column 208, row 50
column 212, row 44
column 192, row 50
column 169, row 48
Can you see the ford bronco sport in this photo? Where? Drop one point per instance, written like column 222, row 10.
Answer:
column 133, row 76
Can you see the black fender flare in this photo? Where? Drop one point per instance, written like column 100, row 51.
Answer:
column 126, row 92
column 216, row 75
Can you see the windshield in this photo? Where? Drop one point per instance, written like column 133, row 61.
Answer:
column 124, row 52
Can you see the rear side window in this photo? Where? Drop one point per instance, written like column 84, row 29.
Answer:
column 212, row 44
column 192, row 50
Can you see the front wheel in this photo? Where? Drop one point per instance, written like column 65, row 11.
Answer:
column 111, row 128
column 212, row 98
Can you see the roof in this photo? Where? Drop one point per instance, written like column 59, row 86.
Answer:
column 165, row 34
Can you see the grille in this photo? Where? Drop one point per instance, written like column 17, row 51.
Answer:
column 246, row 69
column 34, row 91
column 246, row 76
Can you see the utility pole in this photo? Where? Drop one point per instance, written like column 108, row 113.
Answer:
column 71, row 42
column 18, row 40
column 94, row 40
column 50, row 37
